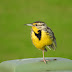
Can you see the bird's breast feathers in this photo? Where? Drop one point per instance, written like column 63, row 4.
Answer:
column 41, row 39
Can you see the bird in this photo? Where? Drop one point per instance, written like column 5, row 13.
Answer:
column 42, row 37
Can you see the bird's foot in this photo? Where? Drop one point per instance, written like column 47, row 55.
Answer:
column 45, row 61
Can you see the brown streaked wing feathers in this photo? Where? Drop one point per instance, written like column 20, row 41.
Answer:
column 53, row 45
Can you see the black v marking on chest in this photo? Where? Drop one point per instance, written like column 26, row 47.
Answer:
column 38, row 35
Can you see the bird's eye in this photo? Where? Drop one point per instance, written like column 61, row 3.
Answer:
column 36, row 24
column 43, row 24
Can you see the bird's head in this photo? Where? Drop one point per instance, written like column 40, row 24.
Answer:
column 38, row 24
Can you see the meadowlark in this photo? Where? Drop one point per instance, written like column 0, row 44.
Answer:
column 42, row 36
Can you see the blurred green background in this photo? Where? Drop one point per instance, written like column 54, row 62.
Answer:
column 15, row 41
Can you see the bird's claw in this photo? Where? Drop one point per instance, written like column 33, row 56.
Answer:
column 45, row 61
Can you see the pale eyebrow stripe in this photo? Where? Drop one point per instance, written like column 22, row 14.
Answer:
column 39, row 25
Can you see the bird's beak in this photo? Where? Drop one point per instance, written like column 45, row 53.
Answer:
column 28, row 24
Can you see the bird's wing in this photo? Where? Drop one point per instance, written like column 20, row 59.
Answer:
column 51, row 34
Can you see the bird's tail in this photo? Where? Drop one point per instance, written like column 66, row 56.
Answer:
column 52, row 46
column 45, row 50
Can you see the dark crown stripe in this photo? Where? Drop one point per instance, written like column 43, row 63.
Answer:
column 38, row 22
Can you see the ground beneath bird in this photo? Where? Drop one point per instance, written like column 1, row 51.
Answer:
column 55, row 64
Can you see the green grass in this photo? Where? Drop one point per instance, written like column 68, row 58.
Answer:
column 15, row 39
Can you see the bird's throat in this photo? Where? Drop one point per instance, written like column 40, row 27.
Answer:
column 37, row 32
column 38, row 35
column 35, row 29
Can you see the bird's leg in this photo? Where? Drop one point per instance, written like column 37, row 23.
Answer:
column 44, row 58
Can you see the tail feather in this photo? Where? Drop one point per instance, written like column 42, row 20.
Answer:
column 45, row 50
column 52, row 46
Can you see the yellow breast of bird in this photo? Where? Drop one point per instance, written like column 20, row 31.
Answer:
column 45, row 40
